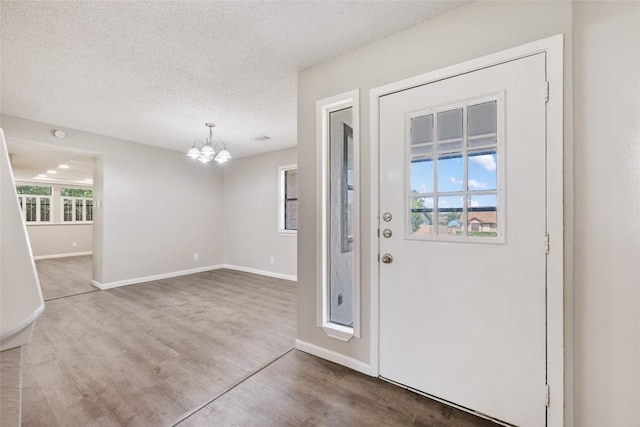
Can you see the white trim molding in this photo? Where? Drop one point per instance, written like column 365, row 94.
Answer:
column 553, row 47
column 332, row 356
column 62, row 255
column 138, row 280
column 261, row 272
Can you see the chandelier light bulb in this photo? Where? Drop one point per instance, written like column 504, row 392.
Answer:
column 208, row 150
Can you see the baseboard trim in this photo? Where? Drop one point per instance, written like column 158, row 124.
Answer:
column 261, row 272
column 62, row 255
column 137, row 280
column 334, row 357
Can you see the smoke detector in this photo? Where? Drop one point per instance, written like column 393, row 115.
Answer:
column 262, row 138
column 58, row 134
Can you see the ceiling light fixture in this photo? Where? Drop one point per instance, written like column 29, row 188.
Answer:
column 51, row 171
column 63, row 166
column 209, row 151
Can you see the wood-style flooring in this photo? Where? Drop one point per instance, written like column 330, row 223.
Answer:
column 197, row 351
column 303, row 390
column 61, row 277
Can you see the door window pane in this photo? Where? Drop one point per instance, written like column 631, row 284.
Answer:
column 421, row 215
column 453, row 188
column 422, row 149
column 450, row 209
column 482, row 124
column 422, row 129
column 450, row 129
column 482, row 215
column 422, row 175
column 482, row 170
column 450, row 172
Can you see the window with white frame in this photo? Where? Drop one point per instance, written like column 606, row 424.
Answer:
column 288, row 206
column 454, row 185
column 77, row 204
column 35, row 202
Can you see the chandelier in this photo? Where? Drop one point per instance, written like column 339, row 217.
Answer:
column 208, row 150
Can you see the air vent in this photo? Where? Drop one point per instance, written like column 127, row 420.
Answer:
column 262, row 138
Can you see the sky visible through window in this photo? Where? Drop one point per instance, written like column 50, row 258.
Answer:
column 482, row 176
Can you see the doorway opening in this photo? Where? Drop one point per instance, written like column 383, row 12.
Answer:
column 55, row 190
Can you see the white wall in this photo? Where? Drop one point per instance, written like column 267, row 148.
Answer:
column 466, row 33
column 607, row 211
column 251, row 234
column 157, row 207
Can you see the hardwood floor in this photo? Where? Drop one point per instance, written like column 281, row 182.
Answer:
column 145, row 355
column 303, row 390
column 61, row 277
column 198, row 350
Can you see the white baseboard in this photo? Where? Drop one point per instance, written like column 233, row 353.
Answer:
column 62, row 255
column 261, row 272
column 334, row 357
column 134, row 281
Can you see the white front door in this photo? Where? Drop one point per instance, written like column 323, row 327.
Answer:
column 463, row 216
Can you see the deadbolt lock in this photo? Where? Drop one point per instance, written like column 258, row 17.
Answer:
column 387, row 258
column 387, row 216
column 387, row 233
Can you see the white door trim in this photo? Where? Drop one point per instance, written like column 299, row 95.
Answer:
column 554, row 49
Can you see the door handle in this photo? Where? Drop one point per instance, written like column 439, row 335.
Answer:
column 387, row 258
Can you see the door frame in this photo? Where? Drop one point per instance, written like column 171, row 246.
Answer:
column 553, row 47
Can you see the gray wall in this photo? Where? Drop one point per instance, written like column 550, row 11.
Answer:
column 158, row 207
column 468, row 32
column 607, row 208
column 58, row 239
column 251, row 234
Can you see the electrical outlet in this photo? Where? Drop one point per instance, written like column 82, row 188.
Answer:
column 74, row 244
column 272, row 259
column 196, row 257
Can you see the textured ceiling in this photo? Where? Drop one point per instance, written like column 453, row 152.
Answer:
column 155, row 72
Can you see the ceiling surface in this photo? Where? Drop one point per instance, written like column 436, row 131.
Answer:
column 31, row 161
column 154, row 72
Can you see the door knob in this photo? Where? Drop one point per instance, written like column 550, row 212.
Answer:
column 387, row 258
